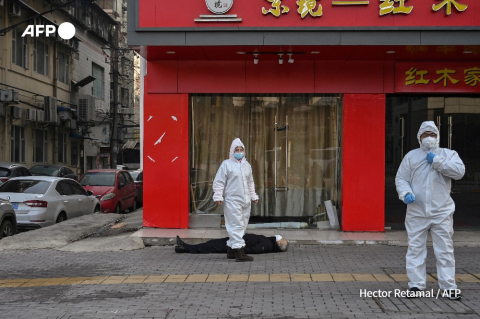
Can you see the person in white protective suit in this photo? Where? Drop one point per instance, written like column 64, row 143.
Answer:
column 423, row 182
column 234, row 185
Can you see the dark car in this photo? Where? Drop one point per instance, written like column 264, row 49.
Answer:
column 138, row 179
column 53, row 170
column 10, row 170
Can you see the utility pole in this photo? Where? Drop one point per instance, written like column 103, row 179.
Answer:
column 114, row 137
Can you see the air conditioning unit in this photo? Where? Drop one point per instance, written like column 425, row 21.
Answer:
column 71, row 124
column 31, row 115
column 50, row 109
column 65, row 115
column 15, row 10
column 40, row 116
column 86, row 108
column 9, row 96
column 16, row 112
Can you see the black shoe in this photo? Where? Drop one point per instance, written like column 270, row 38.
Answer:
column 181, row 249
column 180, row 242
column 240, row 255
column 454, row 294
column 413, row 292
column 230, row 253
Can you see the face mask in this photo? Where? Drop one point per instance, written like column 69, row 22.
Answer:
column 429, row 142
column 238, row 156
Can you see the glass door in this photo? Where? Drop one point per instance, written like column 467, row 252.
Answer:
column 291, row 141
column 458, row 120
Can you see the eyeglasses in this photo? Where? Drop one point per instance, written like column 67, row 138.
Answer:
column 431, row 134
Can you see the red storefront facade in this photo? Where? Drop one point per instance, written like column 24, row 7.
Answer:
column 363, row 51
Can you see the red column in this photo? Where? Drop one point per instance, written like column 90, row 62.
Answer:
column 363, row 162
column 165, row 161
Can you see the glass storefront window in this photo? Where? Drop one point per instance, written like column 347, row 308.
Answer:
column 292, row 143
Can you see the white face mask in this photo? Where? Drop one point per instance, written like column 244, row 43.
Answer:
column 429, row 142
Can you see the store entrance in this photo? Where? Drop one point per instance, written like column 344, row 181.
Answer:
column 291, row 141
column 458, row 120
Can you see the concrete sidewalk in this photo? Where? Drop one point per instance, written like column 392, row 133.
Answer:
column 162, row 237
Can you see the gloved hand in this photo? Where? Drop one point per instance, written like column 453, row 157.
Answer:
column 430, row 157
column 408, row 199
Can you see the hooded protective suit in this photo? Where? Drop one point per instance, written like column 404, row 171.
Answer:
column 234, row 181
column 432, row 209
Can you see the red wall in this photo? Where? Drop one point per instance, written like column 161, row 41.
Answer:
column 246, row 77
column 363, row 162
column 166, row 183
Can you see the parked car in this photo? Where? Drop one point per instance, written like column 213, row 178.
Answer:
column 53, row 170
column 8, row 220
column 138, row 179
column 115, row 189
column 41, row 201
column 10, row 170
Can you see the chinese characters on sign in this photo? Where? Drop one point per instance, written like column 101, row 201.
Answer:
column 310, row 7
column 415, row 76
column 431, row 77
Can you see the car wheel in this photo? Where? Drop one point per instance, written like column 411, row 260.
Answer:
column 61, row 217
column 97, row 210
column 6, row 229
column 118, row 209
column 134, row 206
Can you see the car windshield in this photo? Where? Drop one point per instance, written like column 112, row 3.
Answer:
column 44, row 170
column 98, row 179
column 134, row 175
column 25, row 186
column 4, row 172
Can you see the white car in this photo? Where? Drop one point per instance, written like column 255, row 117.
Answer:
column 41, row 201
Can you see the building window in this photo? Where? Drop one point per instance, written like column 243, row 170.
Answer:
column 125, row 97
column 41, row 57
column 62, row 147
column 98, row 74
column 19, row 48
column 17, row 146
column 63, row 67
column 40, row 150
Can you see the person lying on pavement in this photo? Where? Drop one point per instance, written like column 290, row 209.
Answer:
column 254, row 244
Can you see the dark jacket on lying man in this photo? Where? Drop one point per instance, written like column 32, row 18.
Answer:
column 254, row 244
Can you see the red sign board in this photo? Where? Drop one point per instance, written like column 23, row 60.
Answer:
column 437, row 77
column 310, row 13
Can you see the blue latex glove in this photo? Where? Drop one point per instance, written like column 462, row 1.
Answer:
column 408, row 199
column 430, row 157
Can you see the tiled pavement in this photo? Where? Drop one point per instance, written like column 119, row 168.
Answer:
column 307, row 281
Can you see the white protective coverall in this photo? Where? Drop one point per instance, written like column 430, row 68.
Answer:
column 432, row 209
column 234, row 180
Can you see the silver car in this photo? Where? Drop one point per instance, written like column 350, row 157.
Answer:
column 41, row 201
column 8, row 222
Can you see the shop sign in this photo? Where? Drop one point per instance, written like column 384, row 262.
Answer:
column 219, row 6
column 437, row 77
column 317, row 13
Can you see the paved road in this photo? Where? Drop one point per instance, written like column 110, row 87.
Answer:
column 308, row 281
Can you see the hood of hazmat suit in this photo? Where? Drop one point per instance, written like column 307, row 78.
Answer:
column 234, row 186
column 428, row 126
column 432, row 209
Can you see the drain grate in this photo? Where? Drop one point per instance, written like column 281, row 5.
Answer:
column 422, row 305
